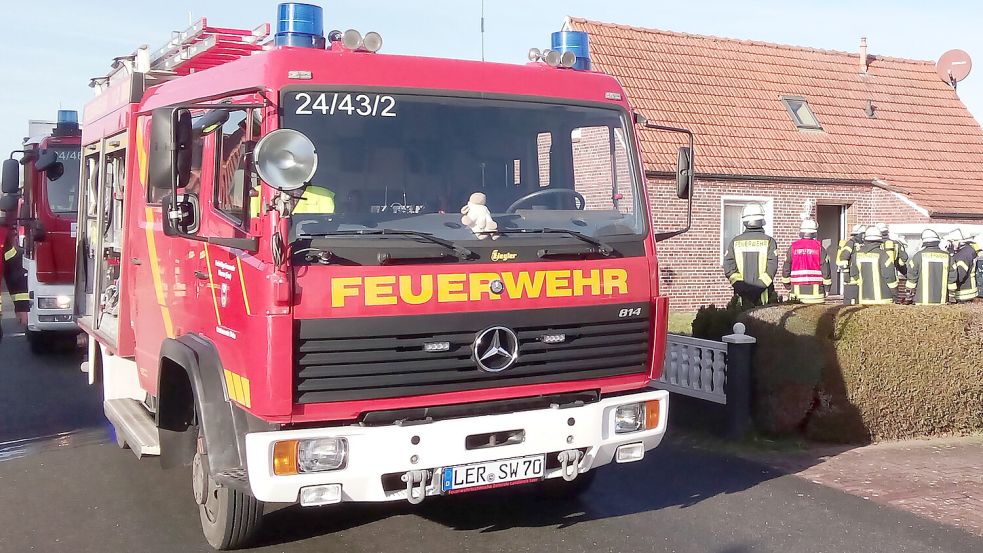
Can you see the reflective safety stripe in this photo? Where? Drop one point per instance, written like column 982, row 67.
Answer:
column 9, row 254
column 23, row 296
column 736, row 277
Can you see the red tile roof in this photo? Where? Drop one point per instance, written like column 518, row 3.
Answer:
column 922, row 139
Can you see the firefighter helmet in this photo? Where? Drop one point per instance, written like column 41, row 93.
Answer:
column 873, row 234
column 954, row 237
column 753, row 216
column 882, row 227
column 809, row 226
column 929, row 236
column 859, row 230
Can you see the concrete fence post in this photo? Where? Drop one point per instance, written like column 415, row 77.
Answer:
column 738, row 386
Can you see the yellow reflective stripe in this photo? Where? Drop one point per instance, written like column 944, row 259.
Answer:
column 211, row 286
column 165, row 312
column 963, row 265
column 238, row 388
column 736, row 277
column 909, row 284
column 242, row 283
column 766, row 279
column 22, row 296
column 786, row 280
column 9, row 254
column 827, row 282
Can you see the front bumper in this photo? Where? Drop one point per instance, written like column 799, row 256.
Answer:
column 378, row 451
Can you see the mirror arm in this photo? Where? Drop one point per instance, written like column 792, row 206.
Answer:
column 660, row 236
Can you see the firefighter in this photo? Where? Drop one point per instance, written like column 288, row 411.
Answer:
column 14, row 275
column 965, row 256
column 844, row 257
column 874, row 270
column 807, row 271
column 930, row 274
column 979, row 269
column 895, row 249
column 751, row 260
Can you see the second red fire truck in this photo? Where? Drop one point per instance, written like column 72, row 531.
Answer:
column 318, row 274
column 48, row 167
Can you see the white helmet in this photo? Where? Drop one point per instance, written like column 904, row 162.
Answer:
column 954, row 237
column 858, row 230
column 809, row 226
column 873, row 234
column 753, row 216
column 929, row 236
column 882, row 228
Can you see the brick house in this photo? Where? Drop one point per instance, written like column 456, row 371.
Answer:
column 842, row 137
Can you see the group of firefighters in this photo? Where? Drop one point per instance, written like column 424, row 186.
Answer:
column 872, row 263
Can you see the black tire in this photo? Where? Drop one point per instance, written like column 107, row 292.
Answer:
column 558, row 488
column 230, row 518
column 38, row 342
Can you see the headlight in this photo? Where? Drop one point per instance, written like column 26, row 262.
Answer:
column 632, row 417
column 629, row 418
column 56, row 302
column 322, row 454
column 314, row 455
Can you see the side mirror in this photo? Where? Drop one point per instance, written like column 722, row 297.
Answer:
column 190, row 215
column 46, row 160
column 684, row 173
column 11, row 176
column 169, row 154
column 8, row 203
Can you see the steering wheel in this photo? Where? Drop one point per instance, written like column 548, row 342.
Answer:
column 582, row 203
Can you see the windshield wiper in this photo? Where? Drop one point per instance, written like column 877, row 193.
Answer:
column 599, row 247
column 460, row 252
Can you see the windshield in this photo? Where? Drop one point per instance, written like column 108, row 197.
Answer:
column 63, row 180
column 406, row 162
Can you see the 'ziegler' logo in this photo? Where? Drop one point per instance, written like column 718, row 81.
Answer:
column 503, row 256
column 462, row 287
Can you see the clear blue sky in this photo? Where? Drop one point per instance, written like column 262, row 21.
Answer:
column 53, row 48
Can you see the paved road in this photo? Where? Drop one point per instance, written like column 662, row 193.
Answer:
column 77, row 492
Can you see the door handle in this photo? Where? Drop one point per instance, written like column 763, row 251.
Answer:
column 136, row 261
column 202, row 275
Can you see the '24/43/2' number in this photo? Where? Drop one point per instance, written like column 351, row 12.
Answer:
column 366, row 105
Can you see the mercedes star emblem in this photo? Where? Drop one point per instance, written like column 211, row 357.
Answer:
column 496, row 286
column 496, row 349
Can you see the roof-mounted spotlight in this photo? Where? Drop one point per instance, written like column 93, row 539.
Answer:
column 535, row 54
column 568, row 59
column 372, row 41
column 334, row 36
column 351, row 39
column 551, row 57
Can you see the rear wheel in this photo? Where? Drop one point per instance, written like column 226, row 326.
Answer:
column 230, row 518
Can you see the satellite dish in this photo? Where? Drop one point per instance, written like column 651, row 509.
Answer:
column 953, row 66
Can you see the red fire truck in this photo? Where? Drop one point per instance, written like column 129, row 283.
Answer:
column 49, row 163
column 281, row 291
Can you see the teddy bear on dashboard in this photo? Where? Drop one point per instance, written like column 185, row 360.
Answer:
column 478, row 217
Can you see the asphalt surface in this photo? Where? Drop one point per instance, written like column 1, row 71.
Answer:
column 64, row 486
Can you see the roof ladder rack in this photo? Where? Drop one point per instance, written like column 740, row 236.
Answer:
column 201, row 46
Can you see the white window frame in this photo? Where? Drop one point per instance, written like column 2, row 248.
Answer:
column 766, row 201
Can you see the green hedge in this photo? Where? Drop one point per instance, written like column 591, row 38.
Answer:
column 855, row 374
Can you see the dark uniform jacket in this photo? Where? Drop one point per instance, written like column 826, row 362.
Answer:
column 899, row 256
column 750, row 264
column 845, row 253
column 13, row 272
column 875, row 274
column 930, row 276
column 964, row 265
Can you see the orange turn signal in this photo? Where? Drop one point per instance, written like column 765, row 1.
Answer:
column 651, row 414
column 285, row 457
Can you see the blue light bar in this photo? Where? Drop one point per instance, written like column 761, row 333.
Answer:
column 299, row 25
column 68, row 116
column 576, row 42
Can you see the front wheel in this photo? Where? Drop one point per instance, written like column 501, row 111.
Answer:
column 230, row 518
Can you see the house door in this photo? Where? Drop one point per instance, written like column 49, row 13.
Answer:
column 832, row 223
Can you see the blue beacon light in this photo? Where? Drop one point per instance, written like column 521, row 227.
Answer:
column 573, row 41
column 299, row 25
column 67, row 123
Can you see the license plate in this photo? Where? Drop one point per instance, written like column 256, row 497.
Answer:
column 493, row 474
